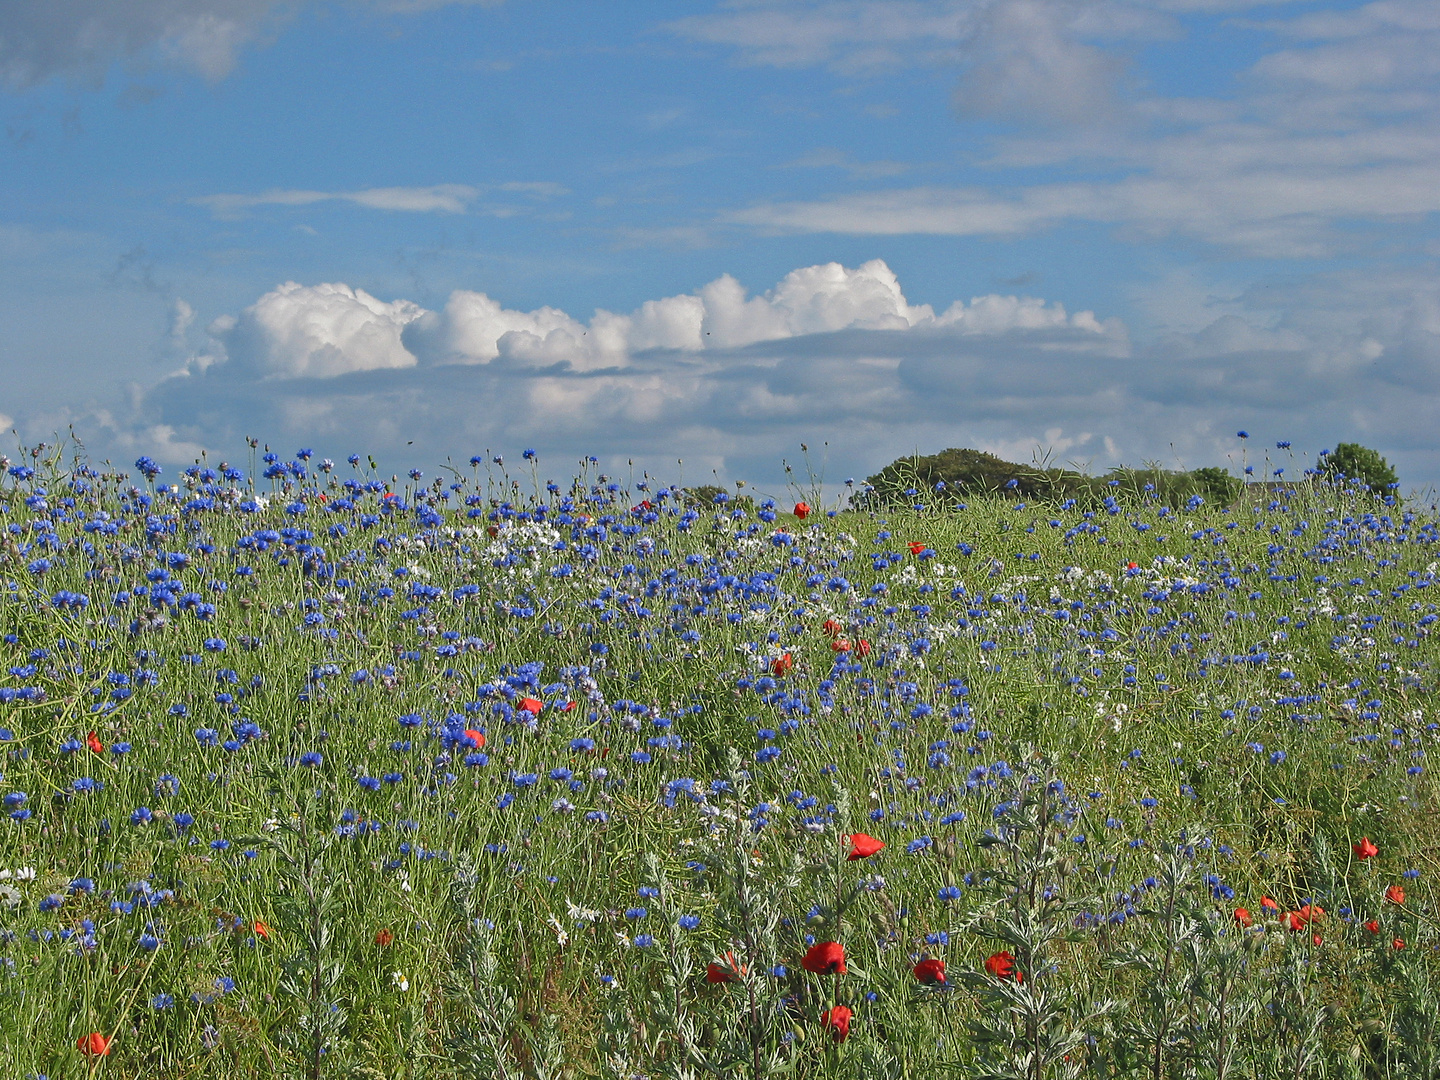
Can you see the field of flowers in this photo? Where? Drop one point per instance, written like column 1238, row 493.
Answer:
column 310, row 771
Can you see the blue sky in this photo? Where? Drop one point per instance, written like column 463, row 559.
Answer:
column 1108, row 231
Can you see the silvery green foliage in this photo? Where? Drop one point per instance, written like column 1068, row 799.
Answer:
column 1036, row 1025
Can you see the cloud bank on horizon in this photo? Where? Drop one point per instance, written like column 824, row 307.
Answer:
column 370, row 225
column 732, row 382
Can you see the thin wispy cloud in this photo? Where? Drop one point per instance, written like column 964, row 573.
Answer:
column 437, row 198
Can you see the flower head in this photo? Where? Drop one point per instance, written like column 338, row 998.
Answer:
column 837, row 1021
column 93, row 1045
column 1243, row 917
column 1395, row 894
column 802, row 510
column 931, row 972
column 1365, row 849
column 1002, row 966
column 862, row 847
column 93, row 742
column 825, row 958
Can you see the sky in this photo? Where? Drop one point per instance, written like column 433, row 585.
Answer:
column 695, row 236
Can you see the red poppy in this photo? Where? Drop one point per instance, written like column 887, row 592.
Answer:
column 1268, row 904
column 837, row 1019
column 862, row 647
column 1395, row 894
column 719, row 973
column 261, row 930
column 569, row 705
column 825, row 958
column 1002, row 966
column 531, row 705
column 383, row 937
column 832, row 627
column 916, row 547
column 93, row 1045
column 862, row 846
column 931, row 972
column 780, row 665
column 93, row 742
column 492, row 531
column 1243, row 917
column 477, row 738
column 1365, row 849
column 1132, row 566
column 1315, row 938
column 1303, row 917
column 1397, row 944
column 802, row 510
column 840, row 645
column 1373, row 926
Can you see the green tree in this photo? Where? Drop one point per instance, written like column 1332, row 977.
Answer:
column 1351, row 461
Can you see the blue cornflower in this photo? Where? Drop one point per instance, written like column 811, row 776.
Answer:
column 688, row 922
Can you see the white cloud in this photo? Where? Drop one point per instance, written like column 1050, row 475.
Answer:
column 475, row 329
column 445, row 198
column 316, row 331
column 830, row 353
column 327, row 330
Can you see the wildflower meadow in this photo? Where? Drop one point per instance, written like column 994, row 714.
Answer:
column 312, row 770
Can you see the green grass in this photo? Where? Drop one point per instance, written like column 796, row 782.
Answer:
column 508, row 950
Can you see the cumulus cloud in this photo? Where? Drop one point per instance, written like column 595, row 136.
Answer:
column 732, row 381
column 719, row 376
column 321, row 331
column 318, row 331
